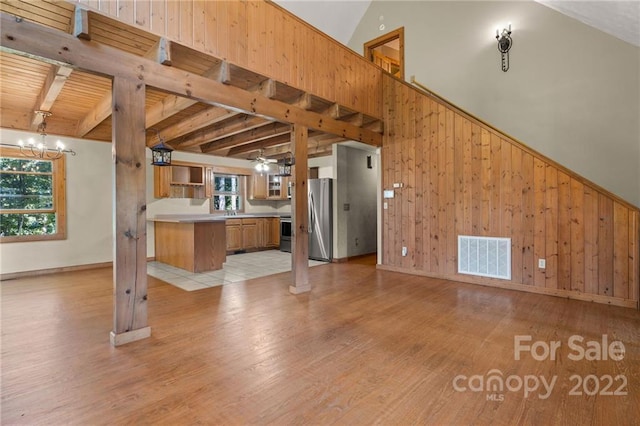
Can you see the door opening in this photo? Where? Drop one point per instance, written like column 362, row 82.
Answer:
column 387, row 51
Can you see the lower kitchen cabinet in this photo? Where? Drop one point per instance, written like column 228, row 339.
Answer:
column 234, row 234
column 250, row 234
column 253, row 233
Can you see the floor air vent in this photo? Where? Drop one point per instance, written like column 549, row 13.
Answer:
column 484, row 256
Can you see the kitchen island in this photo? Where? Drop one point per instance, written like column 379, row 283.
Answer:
column 196, row 243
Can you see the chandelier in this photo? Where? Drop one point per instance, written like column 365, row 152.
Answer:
column 40, row 150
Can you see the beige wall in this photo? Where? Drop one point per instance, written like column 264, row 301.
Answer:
column 572, row 92
column 89, row 209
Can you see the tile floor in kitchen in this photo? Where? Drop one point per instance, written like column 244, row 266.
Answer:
column 238, row 267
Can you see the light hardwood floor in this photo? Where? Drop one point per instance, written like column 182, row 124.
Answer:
column 365, row 346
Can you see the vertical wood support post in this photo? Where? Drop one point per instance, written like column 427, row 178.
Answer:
column 300, row 210
column 129, row 213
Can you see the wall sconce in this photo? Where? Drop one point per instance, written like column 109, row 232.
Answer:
column 160, row 153
column 504, row 44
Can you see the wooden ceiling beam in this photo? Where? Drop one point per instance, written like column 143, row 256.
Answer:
column 30, row 39
column 53, row 84
column 160, row 52
column 81, row 24
column 208, row 117
column 259, row 138
column 266, row 88
column 223, row 140
column 238, row 124
column 244, row 151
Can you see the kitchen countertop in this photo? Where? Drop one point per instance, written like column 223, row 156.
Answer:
column 191, row 218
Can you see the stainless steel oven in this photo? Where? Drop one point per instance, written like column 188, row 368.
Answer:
column 285, row 233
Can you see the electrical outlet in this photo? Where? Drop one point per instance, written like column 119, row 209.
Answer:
column 404, row 251
column 385, row 205
column 542, row 263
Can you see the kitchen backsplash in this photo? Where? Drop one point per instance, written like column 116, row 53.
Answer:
column 266, row 206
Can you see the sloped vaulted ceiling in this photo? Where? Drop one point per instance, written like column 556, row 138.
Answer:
column 339, row 19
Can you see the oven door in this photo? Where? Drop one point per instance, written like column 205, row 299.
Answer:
column 285, row 234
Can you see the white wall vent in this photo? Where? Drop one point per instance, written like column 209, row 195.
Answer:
column 484, row 256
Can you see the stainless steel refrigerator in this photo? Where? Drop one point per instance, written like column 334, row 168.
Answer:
column 320, row 219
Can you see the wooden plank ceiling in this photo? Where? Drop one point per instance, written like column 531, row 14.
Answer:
column 81, row 102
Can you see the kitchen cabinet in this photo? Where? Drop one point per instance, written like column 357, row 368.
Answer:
column 257, row 186
column 179, row 180
column 271, row 232
column 252, row 234
column 234, row 234
column 249, row 234
column 268, row 187
column 208, row 182
column 196, row 246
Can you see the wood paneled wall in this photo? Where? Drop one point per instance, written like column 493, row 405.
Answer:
column 461, row 176
column 264, row 38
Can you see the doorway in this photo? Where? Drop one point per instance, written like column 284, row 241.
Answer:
column 387, row 51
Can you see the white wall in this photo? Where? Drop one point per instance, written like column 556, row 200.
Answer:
column 89, row 205
column 572, row 92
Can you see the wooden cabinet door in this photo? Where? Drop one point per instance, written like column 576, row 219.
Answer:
column 269, row 236
column 208, row 182
column 161, row 179
column 267, row 233
column 261, row 242
column 249, row 234
column 274, row 187
column 257, row 186
column 234, row 237
column 284, row 184
column 275, row 232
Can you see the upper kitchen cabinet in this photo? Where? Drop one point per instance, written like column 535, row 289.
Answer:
column 180, row 180
column 257, row 188
column 268, row 187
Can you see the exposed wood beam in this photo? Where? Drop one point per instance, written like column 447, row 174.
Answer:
column 243, row 150
column 81, row 27
column 266, row 88
column 304, row 101
column 205, row 118
column 173, row 104
column 160, row 52
column 26, row 38
column 338, row 112
column 53, row 84
column 238, row 141
column 129, row 213
column 100, row 112
column 356, row 119
column 300, row 213
column 207, row 137
column 376, row 126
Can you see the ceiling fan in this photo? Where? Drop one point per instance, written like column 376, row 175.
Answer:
column 262, row 162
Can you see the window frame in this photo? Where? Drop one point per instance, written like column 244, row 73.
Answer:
column 58, row 166
column 242, row 183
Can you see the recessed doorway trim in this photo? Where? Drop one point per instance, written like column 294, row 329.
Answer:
column 391, row 37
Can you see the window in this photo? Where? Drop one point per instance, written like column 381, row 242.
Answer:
column 32, row 197
column 228, row 192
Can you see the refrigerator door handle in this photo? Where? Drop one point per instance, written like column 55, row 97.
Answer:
column 311, row 215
